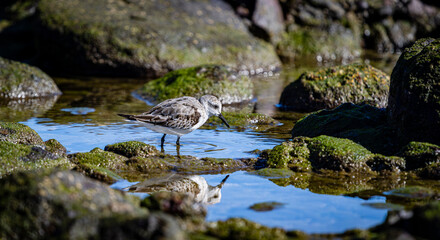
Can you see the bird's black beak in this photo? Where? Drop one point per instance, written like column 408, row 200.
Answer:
column 223, row 119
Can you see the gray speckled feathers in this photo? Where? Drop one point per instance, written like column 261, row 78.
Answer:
column 181, row 113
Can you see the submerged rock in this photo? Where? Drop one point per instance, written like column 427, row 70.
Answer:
column 19, row 80
column 266, row 206
column 362, row 123
column 108, row 166
column 145, row 38
column 414, row 106
column 256, row 121
column 331, row 87
column 228, row 85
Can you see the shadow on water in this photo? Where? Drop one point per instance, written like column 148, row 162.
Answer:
column 84, row 117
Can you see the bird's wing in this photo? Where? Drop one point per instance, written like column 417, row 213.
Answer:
column 182, row 113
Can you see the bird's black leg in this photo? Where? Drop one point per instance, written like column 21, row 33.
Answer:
column 178, row 141
column 162, row 141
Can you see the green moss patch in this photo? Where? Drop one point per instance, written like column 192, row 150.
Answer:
column 330, row 87
column 222, row 81
column 132, row 149
column 364, row 124
column 256, row 121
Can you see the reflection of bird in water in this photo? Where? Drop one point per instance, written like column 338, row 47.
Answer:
column 191, row 184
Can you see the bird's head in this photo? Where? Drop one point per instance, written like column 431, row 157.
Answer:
column 213, row 107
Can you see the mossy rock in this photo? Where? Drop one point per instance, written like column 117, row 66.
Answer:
column 19, row 80
column 420, row 154
column 364, row 124
column 256, row 121
column 380, row 163
column 300, row 42
column 333, row 86
column 229, row 86
column 19, row 133
column 144, row 38
column 132, row 149
column 20, row 157
column 239, row 228
column 55, row 147
column 292, row 154
column 60, row 204
column 273, row 173
column 338, row 154
column 414, row 100
column 431, row 171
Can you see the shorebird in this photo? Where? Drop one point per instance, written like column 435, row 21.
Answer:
column 180, row 116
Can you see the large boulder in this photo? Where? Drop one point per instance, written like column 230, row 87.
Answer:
column 330, row 87
column 146, row 38
column 362, row 123
column 19, row 80
column 68, row 205
column 414, row 99
column 228, row 85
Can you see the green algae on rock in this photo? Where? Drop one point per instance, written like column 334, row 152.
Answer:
column 239, row 228
column 60, row 204
column 420, row 154
column 330, row 87
column 228, row 85
column 256, row 121
column 292, row 154
column 145, row 38
column 362, row 123
column 16, row 157
column 19, row 80
column 414, row 99
column 19, row 133
column 132, row 149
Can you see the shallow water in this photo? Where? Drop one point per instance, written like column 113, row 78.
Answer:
column 84, row 117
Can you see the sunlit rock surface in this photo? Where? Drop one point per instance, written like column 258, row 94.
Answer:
column 146, row 38
column 19, row 80
column 330, row 87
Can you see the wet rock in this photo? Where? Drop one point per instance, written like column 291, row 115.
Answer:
column 228, row 85
column 268, row 16
column 419, row 154
column 132, row 149
column 414, row 107
column 331, row 87
column 265, row 206
column 60, row 204
column 255, row 121
column 292, row 154
column 109, row 165
column 419, row 223
column 362, row 123
column 319, row 153
column 321, row 30
column 381, row 163
column 19, row 133
column 20, row 157
column 55, row 147
column 338, row 154
column 239, row 228
column 22, row 149
column 191, row 214
column 144, row 38
column 19, row 80
column 273, row 173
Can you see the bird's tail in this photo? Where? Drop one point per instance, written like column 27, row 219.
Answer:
column 126, row 116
